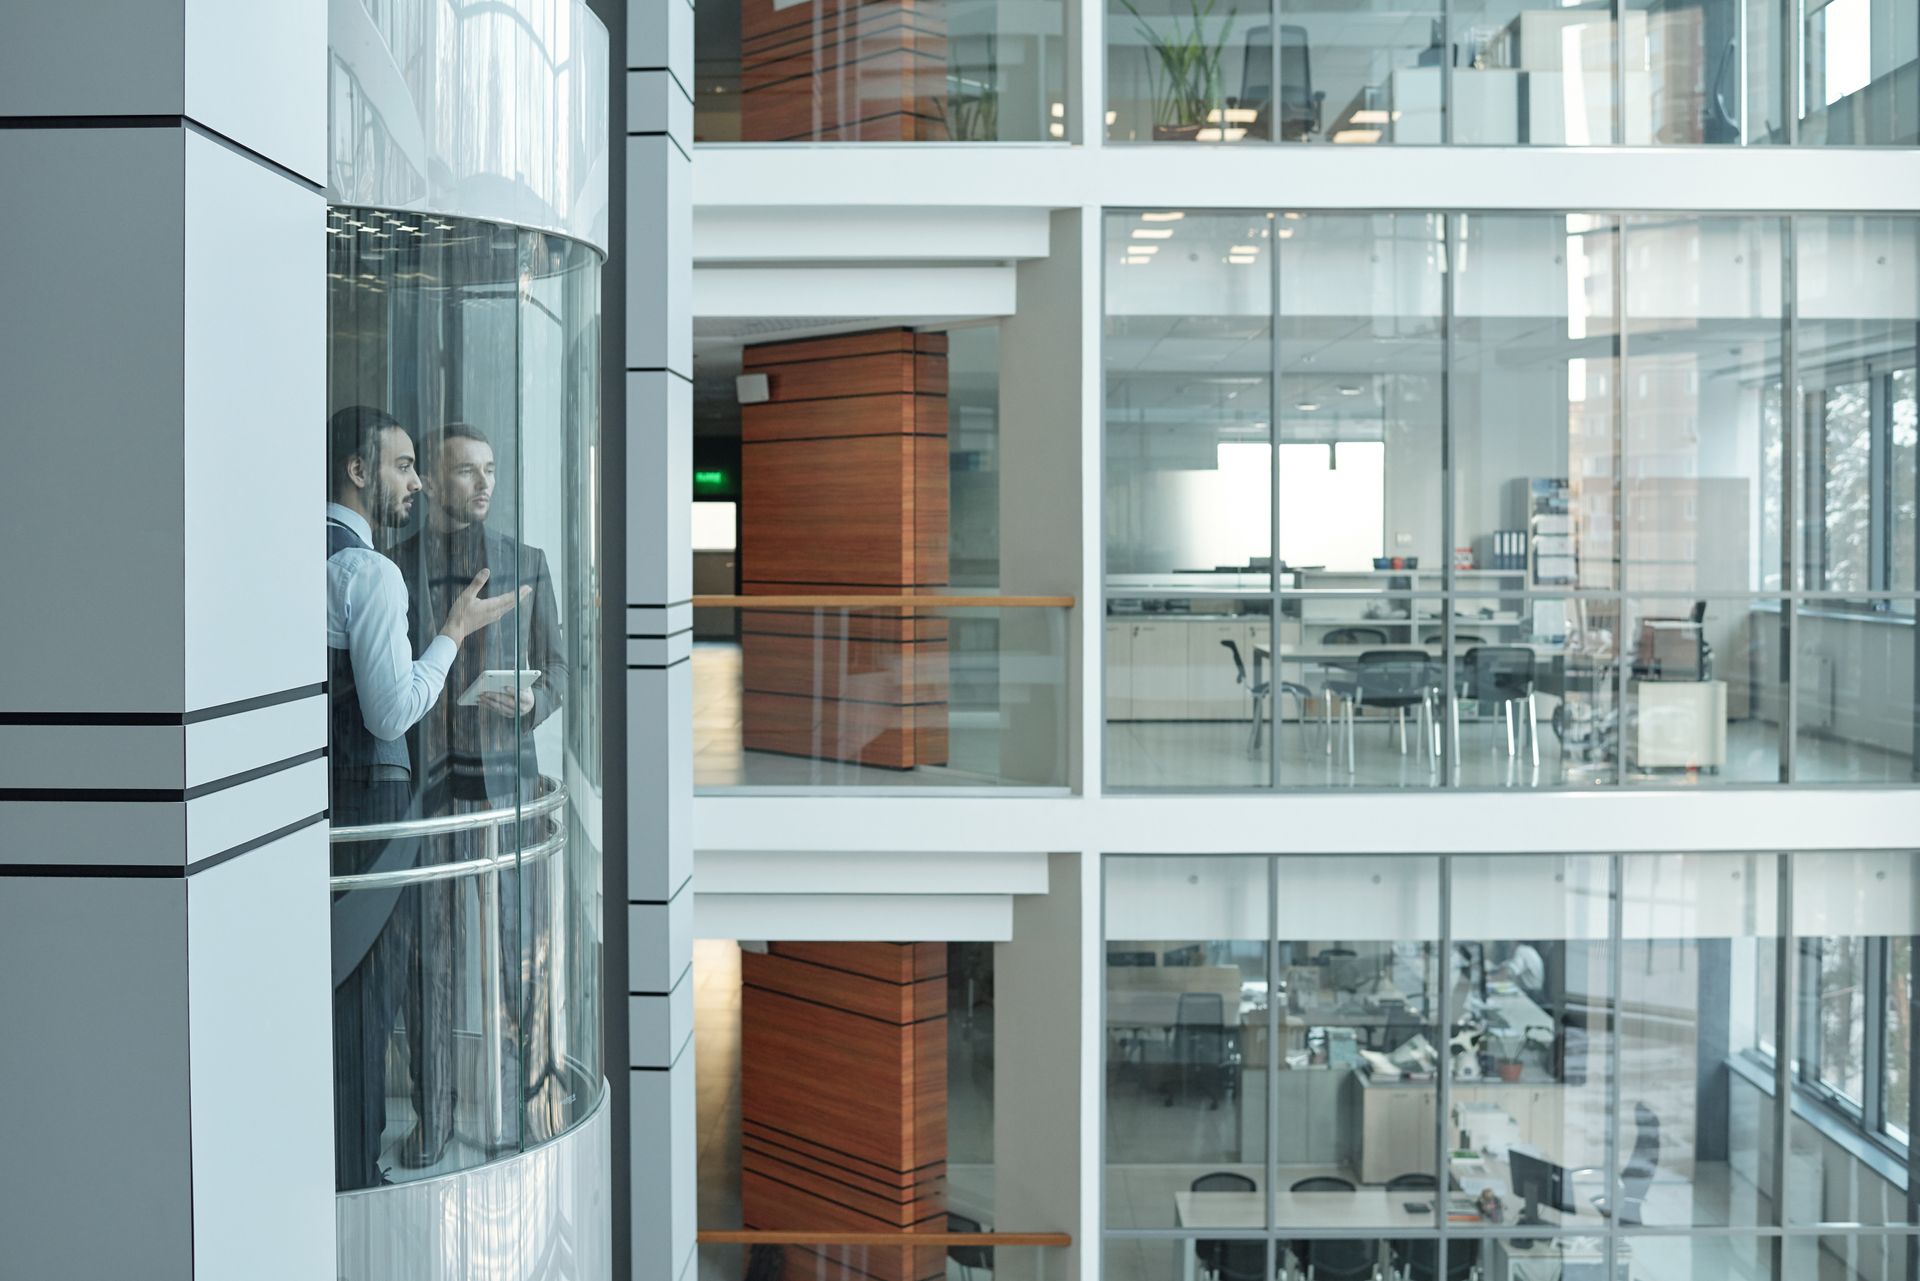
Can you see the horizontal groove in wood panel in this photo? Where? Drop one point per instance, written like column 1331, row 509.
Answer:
column 880, row 998
column 846, row 379
column 892, row 962
column 840, row 600
column 772, row 1196
column 901, row 1188
column 905, row 1021
column 884, row 1208
column 731, row 1236
column 836, row 628
column 792, row 422
column 912, row 57
column 797, row 351
column 768, row 1133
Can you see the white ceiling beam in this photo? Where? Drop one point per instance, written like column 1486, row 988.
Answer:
column 853, row 291
column 737, row 235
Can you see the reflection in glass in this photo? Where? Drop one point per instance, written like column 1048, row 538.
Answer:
column 822, row 71
column 1186, row 1014
column 1531, row 1002
column 1857, row 720
column 1697, row 930
column 1362, row 74
column 1360, row 1045
column 1704, row 690
column 1854, row 352
column 1193, row 71
column 463, row 368
column 1854, row 918
column 1859, row 72
column 1704, row 337
column 1705, row 72
column 1537, row 73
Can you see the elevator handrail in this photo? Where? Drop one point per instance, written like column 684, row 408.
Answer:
column 837, row 601
column 728, row 1236
column 549, row 800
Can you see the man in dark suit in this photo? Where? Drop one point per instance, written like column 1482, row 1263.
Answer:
column 481, row 756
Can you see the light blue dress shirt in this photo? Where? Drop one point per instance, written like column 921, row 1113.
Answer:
column 367, row 617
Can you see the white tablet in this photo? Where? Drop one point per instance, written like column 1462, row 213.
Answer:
column 502, row 679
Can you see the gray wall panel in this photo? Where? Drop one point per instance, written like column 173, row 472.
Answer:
column 92, row 488
column 261, row 1015
column 94, row 1131
column 258, row 74
column 255, row 397
column 104, row 57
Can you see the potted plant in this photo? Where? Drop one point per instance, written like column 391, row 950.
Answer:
column 1184, row 72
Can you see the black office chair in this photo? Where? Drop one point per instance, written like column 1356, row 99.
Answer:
column 1261, row 688
column 1337, row 1260
column 1412, row 1182
column 1200, row 1047
column 968, row 1257
column 1636, row 1177
column 1229, row 1258
column 766, row 1263
column 1355, row 636
column 1420, row 1260
column 1322, row 1183
column 1120, row 960
column 1501, row 675
column 1393, row 680
column 1459, row 638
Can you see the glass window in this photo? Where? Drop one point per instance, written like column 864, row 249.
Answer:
column 1853, row 1257
column 1189, row 71
column 823, row 71
column 1532, row 1007
column 1187, row 974
column 1854, row 918
column 1361, row 74
column 1857, row 718
column 1536, row 73
column 1704, row 324
column 1705, row 698
column 1859, row 82
column 1704, row 72
column 1854, row 348
column 1696, row 929
column 464, row 624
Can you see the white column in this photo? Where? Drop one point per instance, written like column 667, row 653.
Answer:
column 659, row 588
column 163, row 851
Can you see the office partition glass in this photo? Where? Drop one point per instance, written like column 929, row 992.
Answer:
column 1193, row 696
column 1647, row 1257
column 1857, row 314
column 1190, row 71
column 1865, row 1256
column 1856, row 716
column 1705, row 690
column 1187, row 973
column 1697, row 931
column 1531, row 989
column 1361, row 74
column 1360, row 1040
column 1859, row 74
column 1544, row 449
column 1526, row 72
column 1854, row 918
column 822, row 71
column 1704, row 332
column 1705, row 73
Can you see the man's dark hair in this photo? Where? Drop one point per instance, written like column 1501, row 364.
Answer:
column 434, row 442
column 354, row 432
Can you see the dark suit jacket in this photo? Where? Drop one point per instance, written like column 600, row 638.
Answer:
column 471, row 753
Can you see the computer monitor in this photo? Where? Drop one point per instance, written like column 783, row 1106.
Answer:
column 1538, row 1181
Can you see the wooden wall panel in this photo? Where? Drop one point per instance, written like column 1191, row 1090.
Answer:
column 843, row 1086
column 843, row 70
column 844, row 483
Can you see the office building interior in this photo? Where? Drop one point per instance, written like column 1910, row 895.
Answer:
column 1542, row 519
column 1293, row 1043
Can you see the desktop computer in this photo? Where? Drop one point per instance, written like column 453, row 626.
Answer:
column 1537, row 1182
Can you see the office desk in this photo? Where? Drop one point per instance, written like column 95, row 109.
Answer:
column 1555, row 1259
column 1148, row 996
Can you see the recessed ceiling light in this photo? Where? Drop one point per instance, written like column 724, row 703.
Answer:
column 1162, row 215
column 1153, row 233
column 1307, row 406
column 1348, row 389
column 1356, row 135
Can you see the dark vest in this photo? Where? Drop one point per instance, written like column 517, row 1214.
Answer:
column 352, row 745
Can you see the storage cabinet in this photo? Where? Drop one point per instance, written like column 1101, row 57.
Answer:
column 1119, row 670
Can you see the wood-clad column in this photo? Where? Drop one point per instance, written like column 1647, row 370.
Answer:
column 843, row 71
column 844, row 491
column 843, row 1098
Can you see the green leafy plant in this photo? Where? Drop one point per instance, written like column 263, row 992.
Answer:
column 971, row 107
column 1183, row 68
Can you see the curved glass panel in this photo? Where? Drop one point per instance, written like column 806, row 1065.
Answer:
column 463, row 606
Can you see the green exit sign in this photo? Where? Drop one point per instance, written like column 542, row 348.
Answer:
column 710, row 481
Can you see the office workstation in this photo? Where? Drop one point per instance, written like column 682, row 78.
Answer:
column 1452, row 529
column 1290, row 1042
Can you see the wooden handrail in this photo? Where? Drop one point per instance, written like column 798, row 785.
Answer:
column 718, row 1236
column 883, row 602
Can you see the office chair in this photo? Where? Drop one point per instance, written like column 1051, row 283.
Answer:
column 1337, row 1260
column 1220, row 1258
column 1502, row 674
column 1459, row 638
column 1261, row 689
column 1200, row 1046
column 1355, row 636
column 1394, row 680
column 1117, row 960
column 1637, row 1175
column 1420, row 1261
column 1322, row 1183
column 968, row 1257
column 1416, row 1181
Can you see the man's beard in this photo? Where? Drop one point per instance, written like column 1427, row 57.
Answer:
column 394, row 509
